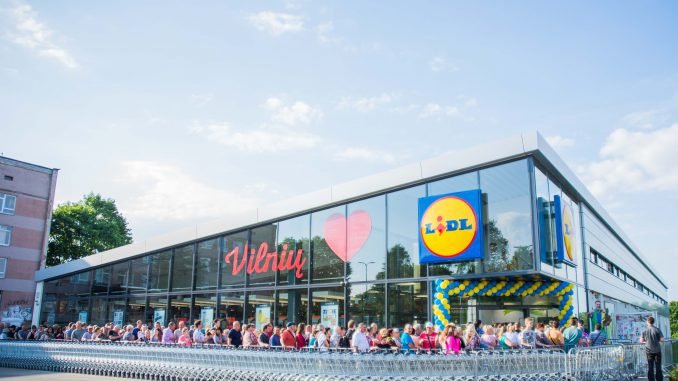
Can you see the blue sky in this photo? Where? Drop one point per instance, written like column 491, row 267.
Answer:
column 187, row 111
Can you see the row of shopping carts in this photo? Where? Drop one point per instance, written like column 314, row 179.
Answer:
column 206, row 363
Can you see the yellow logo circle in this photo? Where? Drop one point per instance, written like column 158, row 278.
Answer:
column 448, row 226
column 568, row 232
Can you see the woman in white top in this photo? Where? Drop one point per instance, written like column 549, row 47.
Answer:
column 488, row 340
column 512, row 339
column 321, row 339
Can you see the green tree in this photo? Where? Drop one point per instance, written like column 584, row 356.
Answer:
column 86, row 227
column 673, row 308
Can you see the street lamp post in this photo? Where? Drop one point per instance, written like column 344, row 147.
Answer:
column 365, row 294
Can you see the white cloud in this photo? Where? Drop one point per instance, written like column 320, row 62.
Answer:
column 262, row 139
column 324, row 33
column 635, row 161
column 557, row 141
column 202, row 99
column 440, row 64
column 365, row 154
column 659, row 115
column 168, row 193
column 277, row 23
column 365, row 104
column 436, row 110
column 33, row 35
column 293, row 114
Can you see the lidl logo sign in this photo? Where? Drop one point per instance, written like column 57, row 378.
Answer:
column 450, row 227
column 566, row 235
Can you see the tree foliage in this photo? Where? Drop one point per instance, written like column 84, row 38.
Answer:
column 86, row 227
column 673, row 310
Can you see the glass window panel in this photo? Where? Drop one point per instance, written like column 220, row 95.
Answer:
column 99, row 313
column 180, row 309
column 231, row 308
column 116, row 311
column 157, row 310
column 259, row 298
column 509, row 217
column 158, row 279
column 119, row 278
column 559, row 268
column 136, row 309
column 77, row 284
column 545, row 218
column 81, row 307
column 407, row 303
column 321, row 296
column 139, row 274
column 207, row 265
column 182, row 270
column 102, row 277
column 367, row 303
column 295, row 234
column 459, row 183
column 403, row 237
column 263, row 241
column 233, row 274
column 327, row 265
column 366, row 240
column 291, row 306
column 205, row 309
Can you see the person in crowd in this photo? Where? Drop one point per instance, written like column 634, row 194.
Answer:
column 406, row 341
column 137, row 329
column 157, row 336
column 69, row 330
column 350, row 330
column 209, row 337
column 157, row 327
column 301, row 339
column 488, row 340
column 249, row 338
column 344, row 341
column 185, row 338
column 235, row 336
column 541, row 341
column 179, row 329
column 78, row 332
column 309, row 332
column 104, row 334
column 528, row 337
column 360, row 343
column 33, row 334
column 598, row 336
column 312, row 339
column 4, row 334
column 289, row 337
column 427, row 339
column 396, row 337
column 59, row 333
column 471, row 338
column 116, row 334
column 336, row 337
column 554, row 335
column 572, row 335
column 265, row 336
column 479, row 327
column 417, row 333
column 511, row 338
column 652, row 337
column 374, row 335
column 387, row 341
column 168, row 336
column 198, row 333
column 449, row 340
column 217, row 336
column 322, row 338
column 147, row 336
column 584, row 334
column 275, row 338
column 129, row 334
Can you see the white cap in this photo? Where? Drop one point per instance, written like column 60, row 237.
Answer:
column 429, row 324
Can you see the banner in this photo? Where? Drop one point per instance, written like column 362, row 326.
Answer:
column 630, row 326
column 51, row 317
column 263, row 316
column 82, row 316
column 329, row 314
column 159, row 316
column 119, row 317
column 207, row 317
column 566, row 235
column 451, row 227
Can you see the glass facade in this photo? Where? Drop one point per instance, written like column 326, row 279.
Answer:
column 359, row 260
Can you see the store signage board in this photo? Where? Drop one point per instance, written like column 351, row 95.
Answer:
column 566, row 234
column 255, row 260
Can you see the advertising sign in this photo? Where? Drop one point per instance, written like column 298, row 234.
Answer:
column 51, row 317
column 566, row 234
column 450, row 227
column 159, row 316
column 82, row 316
column 207, row 317
column 263, row 315
column 118, row 317
column 630, row 326
column 329, row 314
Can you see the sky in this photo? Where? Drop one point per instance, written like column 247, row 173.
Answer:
column 185, row 112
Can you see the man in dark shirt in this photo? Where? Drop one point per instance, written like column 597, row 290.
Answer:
column 275, row 339
column 651, row 337
column 235, row 336
column 265, row 335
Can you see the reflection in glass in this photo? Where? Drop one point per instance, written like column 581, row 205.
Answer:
column 263, row 241
column 157, row 310
column 78, row 284
column 407, row 303
column 102, row 276
column 182, row 269
column 324, row 296
column 117, row 305
column 291, row 306
column 139, row 274
column 327, row 265
column 205, row 309
column 158, row 279
column 367, row 303
column 231, row 274
column 403, row 233
column 99, row 315
column 136, row 308
column 366, row 240
column 545, row 216
column 180, row 309
column 559, row 268
column 295, row 234
column 119, row 278
column 207, row 265
column 231, row 308
column 256, row 299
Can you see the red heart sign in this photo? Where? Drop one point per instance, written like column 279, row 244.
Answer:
column 358, row 225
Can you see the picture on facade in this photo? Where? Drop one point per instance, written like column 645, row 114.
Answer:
column 207, row 316
column 263, row 316
column 82, row 316
column 599, row 315
column 346, row 236
column 159, row 316
column 450, row 227
column 17, row 314
column 566, row 234
column 119, row 317
column 329, row 314
column 630, row 326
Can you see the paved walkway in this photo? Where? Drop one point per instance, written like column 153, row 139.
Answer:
column 11, row 374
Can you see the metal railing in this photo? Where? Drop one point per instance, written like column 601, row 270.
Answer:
column 169, row 362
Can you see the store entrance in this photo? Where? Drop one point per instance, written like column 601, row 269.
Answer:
column 494, row 314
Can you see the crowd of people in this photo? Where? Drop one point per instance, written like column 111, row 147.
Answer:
column 356, row 337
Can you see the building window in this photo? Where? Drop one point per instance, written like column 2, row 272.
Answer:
column 3, row 267
column 7, row 203
column 9, row 178
column 5, row 235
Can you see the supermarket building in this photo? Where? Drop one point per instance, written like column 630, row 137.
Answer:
column 497, row 232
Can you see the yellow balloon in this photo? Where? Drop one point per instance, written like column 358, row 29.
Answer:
column 462, row 287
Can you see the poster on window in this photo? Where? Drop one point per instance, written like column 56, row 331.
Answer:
column 263, row 316
column 118, row 317
column 159, row 316
column 207, row 317
column 329, row 314
column 82, row 316
column 630, row 326
column 51, row 317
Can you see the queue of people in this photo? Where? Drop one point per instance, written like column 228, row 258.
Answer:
column 356, row 337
